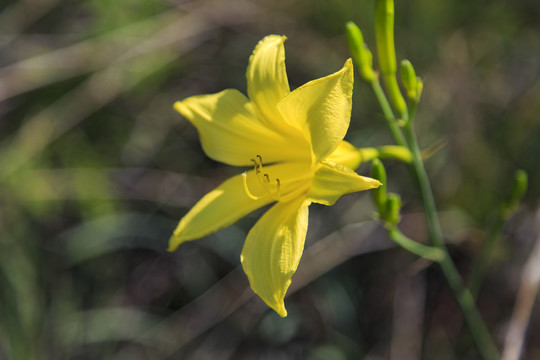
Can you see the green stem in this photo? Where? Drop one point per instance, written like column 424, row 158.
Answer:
column 463, row 296
column 412, row 111
column 487, row 250
column 388, row 113
column 427, row 252
column 461, row 293
column 519, row 187
column 396, row 98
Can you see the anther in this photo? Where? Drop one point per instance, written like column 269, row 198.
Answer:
column 256, row 166
column 264, row 180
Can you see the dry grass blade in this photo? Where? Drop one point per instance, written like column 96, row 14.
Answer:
column 528, row 290
column 153, row 185
column 408, row 317
column 20, row 15
column 80, row 58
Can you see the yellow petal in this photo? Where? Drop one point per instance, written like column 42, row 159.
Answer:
column 346, row 154
column 331, row 181
column 231, row 132
column 322, row 108
column 219, row 208
column 273, row 249
column 267, row 81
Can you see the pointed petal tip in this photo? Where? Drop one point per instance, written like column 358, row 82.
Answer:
column 280, row 38
column 174, row 243
column 348, row 66
column 374, row 183
column 178, row 106
column 278, row 306
column 269, row 41
column 281, row 311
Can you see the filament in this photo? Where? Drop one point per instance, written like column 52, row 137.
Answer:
column 246, row 188
column 264, row 180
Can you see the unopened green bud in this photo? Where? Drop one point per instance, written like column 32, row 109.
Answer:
column 395, row 152
column 393, row 206
column 384, row 31
column 408, row 78
column 519, row 188
column 419, row 87
column 379, row 194
column 361, row 54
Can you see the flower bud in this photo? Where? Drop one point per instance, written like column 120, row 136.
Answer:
column 419, row 87
column 393, row 206
column 519, row 187
column 384, row 31
column 361, row 54
column 379, row 194
column 408, row 78
column 395, row 152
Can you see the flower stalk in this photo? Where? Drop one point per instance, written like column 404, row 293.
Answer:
column 519, row 187
column 461, row 293
column 404, row 135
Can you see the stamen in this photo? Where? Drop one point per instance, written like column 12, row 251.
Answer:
column 246, row 188
column 276, row 194
column 256, row 166
column 264, row 180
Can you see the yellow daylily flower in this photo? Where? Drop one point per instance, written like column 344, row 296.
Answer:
column 294, row 143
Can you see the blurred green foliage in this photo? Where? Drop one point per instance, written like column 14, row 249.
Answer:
column 96, row 169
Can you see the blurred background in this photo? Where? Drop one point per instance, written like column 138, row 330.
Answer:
column 96, row 169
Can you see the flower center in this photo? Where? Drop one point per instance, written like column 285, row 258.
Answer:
column 271, row 186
